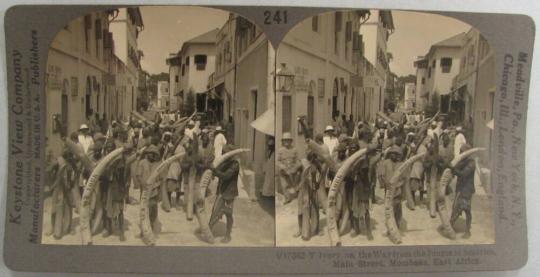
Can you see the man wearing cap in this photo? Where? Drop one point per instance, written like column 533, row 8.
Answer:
column 464, row 191
column 115, row 188
column 432, row 132
column 361, row 191
column 330, row 139
column 289, row 167
column 227, row 191
column 190, row 129
column 147, row 165
column 416, row 177
column 206, row 154
column 389, row 168
column 312, row 182
column 85, row 139
column 459, row 140
column 134, row 134
column 446, row 150
column 341, row 195
column 65, row 177
column 219, row 142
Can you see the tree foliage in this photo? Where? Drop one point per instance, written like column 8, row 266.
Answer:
column 189, row 103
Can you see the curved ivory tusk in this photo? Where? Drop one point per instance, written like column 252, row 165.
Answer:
column 390, row 220
column 76, row 150
column 89, row 188
column 151, row 181
column 428, row 120
column 404, row 166
column 144, row 215
column 385, row 117
column 447, row 229
column 324, row 155
column 466, row 154
column 334, row 187
column 180, row 123
column 446, row 177
column 228, row 155
column 141, row 117
column 206, row 178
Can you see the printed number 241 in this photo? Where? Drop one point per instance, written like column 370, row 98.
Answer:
column 276, row 17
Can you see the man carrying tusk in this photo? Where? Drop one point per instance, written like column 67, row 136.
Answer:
column 227, row 191
column 390, row 165
column 464, row 191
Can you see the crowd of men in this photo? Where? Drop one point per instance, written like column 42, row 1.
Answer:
column 389, row 143
column 146, row 143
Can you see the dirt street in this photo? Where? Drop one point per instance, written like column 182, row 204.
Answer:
column 253, row 226
column 420, row 229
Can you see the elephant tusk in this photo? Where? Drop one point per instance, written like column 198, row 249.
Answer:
column 390, row 220
column 89, row 188
column 334, row 187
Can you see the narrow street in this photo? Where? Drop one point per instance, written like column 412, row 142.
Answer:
column 253, row 226
column 420, row 229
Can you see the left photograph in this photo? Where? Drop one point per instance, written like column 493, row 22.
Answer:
column 160, row 130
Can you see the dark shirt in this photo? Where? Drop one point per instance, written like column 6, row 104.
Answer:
column 465, row 178
column 227, row 173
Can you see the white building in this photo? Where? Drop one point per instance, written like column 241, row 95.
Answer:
column 85, row 76
column 175, row 102
column 163, row 95
column 125, row 27
column 193, row 65
column 375, row 34
column 409, row 97
column 322, row 52
column 473, row 90
column 77, row 70
column 435, row 72
column 241, row 88
column 421, row 75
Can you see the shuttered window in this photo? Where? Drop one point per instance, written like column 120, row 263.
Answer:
column 287, row 113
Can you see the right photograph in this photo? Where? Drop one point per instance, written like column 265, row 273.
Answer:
column 384, row 125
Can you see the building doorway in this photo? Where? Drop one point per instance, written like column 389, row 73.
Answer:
column 64, row 107
column 200, row 102
column 335, row 93
column 311, row 107
column 88, row 98
column 254, row 102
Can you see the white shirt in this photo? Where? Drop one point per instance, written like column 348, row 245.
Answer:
column 331, row 143
column 432, row 132
column 219, row 142
column 86, row 142
column 195, row 130
column 458, row 142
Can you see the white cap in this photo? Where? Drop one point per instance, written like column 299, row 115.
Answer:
column 458, row 128
column 218, row 128
column 329, row 128
column 286, row 136
column 83, row 126
column 191, row 122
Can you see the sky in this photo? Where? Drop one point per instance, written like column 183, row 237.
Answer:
column 166, row 28
column 415, row 33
